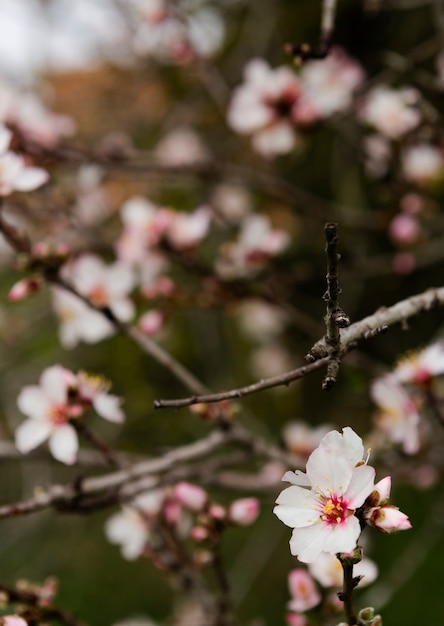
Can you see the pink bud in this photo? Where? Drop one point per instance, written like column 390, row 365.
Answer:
column 191, row 496
column 14, row 620
column 383, row 489
column 217, row 512
column 244, row 511
column 151, row 322
column 172, row 511
column 412, row 203
column 404, row 229
column 199, row 533
column 24, row 288
column 388, row 519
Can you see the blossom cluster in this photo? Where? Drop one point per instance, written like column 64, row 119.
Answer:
column 402, row 395
column 186, row 510
column 54, row 405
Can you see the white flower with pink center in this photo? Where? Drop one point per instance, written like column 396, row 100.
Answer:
column 398, row 415
column 328, row 84
column 106, row 286
column 49, row 413
column 320, row 505
column 15, row 174
column 423, row 164
column 267, row 106
column 421, row 366
column 393, row 112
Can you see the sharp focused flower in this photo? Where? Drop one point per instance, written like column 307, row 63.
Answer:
column 320, row 505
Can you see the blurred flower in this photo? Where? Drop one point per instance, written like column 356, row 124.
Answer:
column 303, row 591
column 15, row 174
column 25, row 287
column 320, row 505
column 231, row 201
column 301, row 438
column 190, row 496
column 267, row 106
column 106, row 286
column 181, row 146
column 419, row 367
column 243, row 511
column 260, row 320
column 404, row 229
column 47, row 406
column 328, row 84
column 398, row 416
column 151, row 322
column 187, row 230
column 13, row 620
column 422, row 164
column 94, row 390
column 327, row 570
column 392, row 112
column 130, row 528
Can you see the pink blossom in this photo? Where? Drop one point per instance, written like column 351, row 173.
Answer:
column 191, row 496
column 296, row 619
column 398, row 416
column 328, row 84
column 303, row 591
column 266, row 106
column 182, row 146
column 404, row 263
column 151, row 322
column 243, row 511
column 106, row 286
column 48, row 410
column 300, row 438
column 187, row 230
column 404, row 229
column 419, row 367
column 13, row 620
column 320, row 505
column 392, row 112
column 24, row 288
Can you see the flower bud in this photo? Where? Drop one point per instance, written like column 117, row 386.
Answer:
column 244, row 511
column 388, row 519
column 24, row 288
column 191, row 496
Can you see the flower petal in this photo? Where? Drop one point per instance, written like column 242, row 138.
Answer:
column 308, row 543
column 64, row 444
column 296, row 507
column 33, row 402
column 361, row 485
column 108, row 407
column 31, row 434
column 344, row 537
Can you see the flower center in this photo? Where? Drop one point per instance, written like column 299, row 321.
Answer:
column 58, row 414
column 99, row 296
column 334, row 510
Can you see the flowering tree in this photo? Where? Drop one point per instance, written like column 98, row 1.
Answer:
column 221, row 250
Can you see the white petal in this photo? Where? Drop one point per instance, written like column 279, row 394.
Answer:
column 126, row 530
column 349, row 444
column 296, row 507
column 329, row 471
column 31, row 434
column 33, row 402
column 64, row 444
column 344, row 537
column 296, row 478
column 308, row 543
column 361, row 485
column 31, row 178
column 53, row 384
column 108, row 407
column 5, row 138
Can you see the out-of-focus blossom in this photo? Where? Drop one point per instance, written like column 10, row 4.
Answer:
column 398, row 415
column 377, row 154
column 423, row 164
column 421, row 366
column 404, row 229
column 231, row 201
column 61, row 397
column 260, row 320
column 181, row 146
column 403, row 263
column 13, row 620
column 327, row 570
column 243, row 511
column 190, row 496
column 49, row 413
column 257, row 243
column 303, row 591
column 24, row 288
column 393, row 112
column 267, row 106
column 151, row 322
column 187, row 230
column 130, row 528
column 296, row 619
column 320, row 505
column 15, row 174
column 106, row 286
column 300, row 438
column 412, row 203
column 328, row 84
